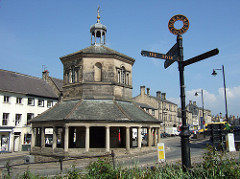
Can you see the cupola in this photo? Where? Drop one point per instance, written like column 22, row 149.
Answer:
column 98, row 32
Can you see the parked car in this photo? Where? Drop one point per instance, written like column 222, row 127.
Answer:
column 164, row 135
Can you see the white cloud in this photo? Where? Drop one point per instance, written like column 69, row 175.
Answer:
column 215, row 102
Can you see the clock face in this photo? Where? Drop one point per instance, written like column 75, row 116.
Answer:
column 176, row 18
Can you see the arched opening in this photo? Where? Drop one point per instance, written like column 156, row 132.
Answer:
column 98, row 72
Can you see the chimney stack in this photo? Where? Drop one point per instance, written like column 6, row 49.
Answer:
column 142, row 90
column 148, row 90
column 45, row 75
column 164, row 96
column 158, row 94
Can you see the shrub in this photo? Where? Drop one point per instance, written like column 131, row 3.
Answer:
column 100, row 169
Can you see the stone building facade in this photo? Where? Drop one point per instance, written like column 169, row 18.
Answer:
column 96, row 112
column 158, row 106
column 197, row 115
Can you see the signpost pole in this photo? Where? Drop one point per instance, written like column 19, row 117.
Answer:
column 185, row 134
column 176, row 54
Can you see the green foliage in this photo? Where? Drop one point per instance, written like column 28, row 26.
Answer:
column 100, row 169
column 215, row 165
column 73, row 173
column 27, row 175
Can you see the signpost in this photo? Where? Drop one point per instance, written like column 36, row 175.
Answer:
column 176, row 54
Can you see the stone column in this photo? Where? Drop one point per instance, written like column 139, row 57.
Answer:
column 54, row 145
column 87, row 139
column 128, row 138
column 66, row 138
column 33, row 138
column 42, row 137
column 139, row 137
column 101, row 37
column 10, row 142
column 149, row 137
column 107, row 138
column 159, row 135
column 155, row 136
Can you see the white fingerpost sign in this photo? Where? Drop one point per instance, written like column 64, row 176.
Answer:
column 161, row 152
column 230, row 143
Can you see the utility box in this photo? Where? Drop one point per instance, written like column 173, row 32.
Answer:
column 29, row 159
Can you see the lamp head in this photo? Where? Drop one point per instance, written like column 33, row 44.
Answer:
column 196, row 94
column 214, row 73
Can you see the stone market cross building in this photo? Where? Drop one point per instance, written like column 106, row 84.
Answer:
column 96, row 112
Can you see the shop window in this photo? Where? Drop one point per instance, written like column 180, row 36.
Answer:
column 27, row 138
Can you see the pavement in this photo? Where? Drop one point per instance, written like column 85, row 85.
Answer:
column 50, row 169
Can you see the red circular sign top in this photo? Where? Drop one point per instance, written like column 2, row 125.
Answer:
column 175, row 18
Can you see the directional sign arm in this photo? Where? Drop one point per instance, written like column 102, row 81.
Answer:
column 173, row 52
column 156, row 55
column 200, row 57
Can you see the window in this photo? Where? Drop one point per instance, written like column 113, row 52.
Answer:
column 41, row 102
column 5, row 119
column 119, row 76
column 123, row 75
column 29, row 117
column 19, row 100
column 153, row 112
column 31, row 101
column 98, row 72
column 49, row 104
column 18, row 119
column 6, row 99
column 127, row 79
column 72, row 75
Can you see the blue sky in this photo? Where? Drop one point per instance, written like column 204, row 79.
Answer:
column 37, row 32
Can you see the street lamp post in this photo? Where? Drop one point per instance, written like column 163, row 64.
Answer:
column 214, row 73
column 203, row 121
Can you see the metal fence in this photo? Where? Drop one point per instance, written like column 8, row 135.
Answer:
column 14, row 170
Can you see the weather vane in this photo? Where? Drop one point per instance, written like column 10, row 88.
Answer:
column 98, row 17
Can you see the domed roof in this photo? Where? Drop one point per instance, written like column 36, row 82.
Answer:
column 98, row 26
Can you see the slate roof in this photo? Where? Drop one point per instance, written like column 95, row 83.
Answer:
column 28, row 85
column 145, row 106
column 99, row 50
column 58, row 83
column 97, row 111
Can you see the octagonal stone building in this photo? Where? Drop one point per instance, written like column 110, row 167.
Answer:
column 96, row 112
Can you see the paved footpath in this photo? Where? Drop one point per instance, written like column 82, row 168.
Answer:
column 50, row 169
